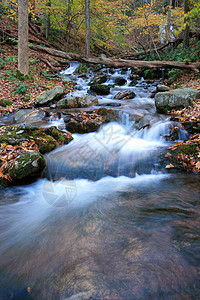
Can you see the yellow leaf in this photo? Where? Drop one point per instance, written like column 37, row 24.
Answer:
column 170, row 166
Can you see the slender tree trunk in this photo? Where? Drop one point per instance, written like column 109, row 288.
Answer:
column 47, row 21
column 87, row 28
column 23, row 36
column 186, row 33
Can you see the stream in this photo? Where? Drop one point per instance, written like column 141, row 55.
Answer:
column 106, row 220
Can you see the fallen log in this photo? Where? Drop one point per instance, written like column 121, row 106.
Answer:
column 53, row 69
column 118, row 63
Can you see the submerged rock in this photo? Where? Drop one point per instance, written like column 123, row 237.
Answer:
column 125, row 95
column 100, row 89
column 50, row 96
column 28, row 116
column 175, row 99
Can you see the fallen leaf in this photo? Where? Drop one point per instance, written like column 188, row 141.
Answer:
column 170, row 166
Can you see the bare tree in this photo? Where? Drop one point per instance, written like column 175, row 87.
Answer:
column 23, row 36
column 87, row 28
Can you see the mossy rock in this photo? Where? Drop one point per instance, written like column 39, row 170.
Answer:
column 27, row 164
column 45, row 138
column 59, row 135
column 100, row 89
column 184, row 149
column 99, row 79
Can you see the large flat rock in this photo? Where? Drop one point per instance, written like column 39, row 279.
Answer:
column 175, row 99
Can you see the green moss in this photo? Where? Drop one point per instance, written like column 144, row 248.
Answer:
column 23, row 77
column 184, row 149
column 27, row 99
column 58, row 135
column 5, row 103
column 46, row 139
column 27, row 164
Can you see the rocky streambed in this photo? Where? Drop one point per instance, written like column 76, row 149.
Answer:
column 106, row 220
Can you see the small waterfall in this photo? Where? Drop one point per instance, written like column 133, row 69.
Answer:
column 157, row 132
column 182, row 133
column 73, row 66
column 112, row 151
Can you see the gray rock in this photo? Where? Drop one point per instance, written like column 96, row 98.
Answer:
column 175, row 99
column 88, row 100
column 77, row 102
column 68, row 102
column 145, row 121
column 100, row 89
column 48, row 97
column 28, row 116
column 162, row 88
column 109, row 114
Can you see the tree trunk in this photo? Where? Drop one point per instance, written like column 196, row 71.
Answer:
column 47, row 21
column 186, row 33
column 87, row 28
column 23, row 36
column 119, row 63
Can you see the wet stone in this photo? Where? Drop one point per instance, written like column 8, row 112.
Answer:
column 83, row 123
column 120, row 80
column 125, row 95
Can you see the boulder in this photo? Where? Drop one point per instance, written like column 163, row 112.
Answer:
column 74, row 102
column 83, row 123
column 125, row 95
column 120, row 80
column 99, row 79
column 28, row 116
column 50, row 96
column 22, row 149
column 46, row 139
column 67, row 102
column 27, row 164
column 100, row 89
column 175, row 99
column 108, row 114
column 162, row 88
column 88, row 100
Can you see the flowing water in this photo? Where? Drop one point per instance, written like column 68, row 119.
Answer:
column 105, row 221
